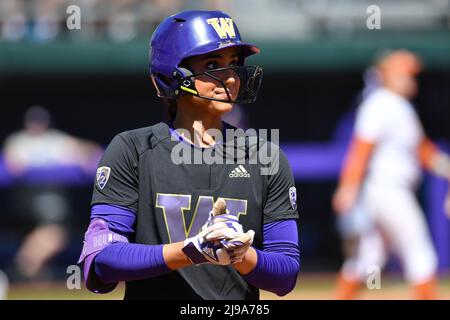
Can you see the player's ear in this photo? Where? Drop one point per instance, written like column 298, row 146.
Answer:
column 155, row 85
column 159, row 81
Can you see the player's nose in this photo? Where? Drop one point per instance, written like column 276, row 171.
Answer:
column 230, row 77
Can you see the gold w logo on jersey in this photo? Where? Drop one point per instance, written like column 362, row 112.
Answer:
column 223, row 26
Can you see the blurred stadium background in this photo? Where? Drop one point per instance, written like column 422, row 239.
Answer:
column 95, row 83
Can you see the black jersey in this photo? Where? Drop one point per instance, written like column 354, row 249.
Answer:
column 172, row 202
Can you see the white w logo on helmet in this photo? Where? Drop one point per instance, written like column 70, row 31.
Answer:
column 223, row 26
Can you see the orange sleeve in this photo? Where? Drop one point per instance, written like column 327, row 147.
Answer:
column 356, row 162
column 427, row 152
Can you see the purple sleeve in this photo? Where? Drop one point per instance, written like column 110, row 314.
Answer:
column 129, row 261
column 279, row 261
column 122, row 261
column 119, row 219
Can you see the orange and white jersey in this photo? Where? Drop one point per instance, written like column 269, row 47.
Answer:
column 390, row 122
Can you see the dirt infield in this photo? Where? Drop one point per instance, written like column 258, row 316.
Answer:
column 309, row 287
column 321, row 287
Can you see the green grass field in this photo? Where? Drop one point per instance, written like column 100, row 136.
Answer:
column 309, row 286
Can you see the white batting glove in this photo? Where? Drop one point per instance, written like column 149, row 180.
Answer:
column 200, row 250
column 206, row 246
column 237, row 247
column 231, row 234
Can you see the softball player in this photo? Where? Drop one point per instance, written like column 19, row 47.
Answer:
column 150, row 221
column 379, row 177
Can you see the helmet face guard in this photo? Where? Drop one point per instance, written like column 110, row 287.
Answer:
column 249, row 82
column 192, row 33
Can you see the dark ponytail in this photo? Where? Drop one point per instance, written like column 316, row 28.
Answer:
column 171, row 108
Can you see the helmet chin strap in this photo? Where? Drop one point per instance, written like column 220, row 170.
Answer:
column 186, row 83
column 249, row 76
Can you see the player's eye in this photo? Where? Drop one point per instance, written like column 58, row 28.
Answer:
column 233, row 63
column 212, row 65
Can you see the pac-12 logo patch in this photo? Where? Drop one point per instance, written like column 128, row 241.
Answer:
column 103, row 176
column 293, row 197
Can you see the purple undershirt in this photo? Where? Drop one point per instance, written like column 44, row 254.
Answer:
column 276, row 270
column 279, row 262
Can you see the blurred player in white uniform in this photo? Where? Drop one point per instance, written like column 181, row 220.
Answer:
column 377, row 186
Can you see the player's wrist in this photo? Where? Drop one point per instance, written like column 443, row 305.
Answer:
column 174, row 257
column 248, row 263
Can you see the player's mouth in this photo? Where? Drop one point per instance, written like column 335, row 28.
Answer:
column 222, row 94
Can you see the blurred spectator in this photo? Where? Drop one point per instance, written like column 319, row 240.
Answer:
column 123, row 20
column 4, row 286
column 40, row 160
column 39, row 146
column 122, row 24
column 14, row 20
column 47, row 21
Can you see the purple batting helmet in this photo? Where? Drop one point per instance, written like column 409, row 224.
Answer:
column 192, row 33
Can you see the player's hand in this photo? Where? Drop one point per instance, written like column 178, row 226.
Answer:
column 231, row 228
column 206, row 246
column 237, row 247
column 344, row 199
column 232, row 236
column 201, row 250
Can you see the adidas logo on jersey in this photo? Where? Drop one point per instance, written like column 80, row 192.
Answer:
column 239, row 172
